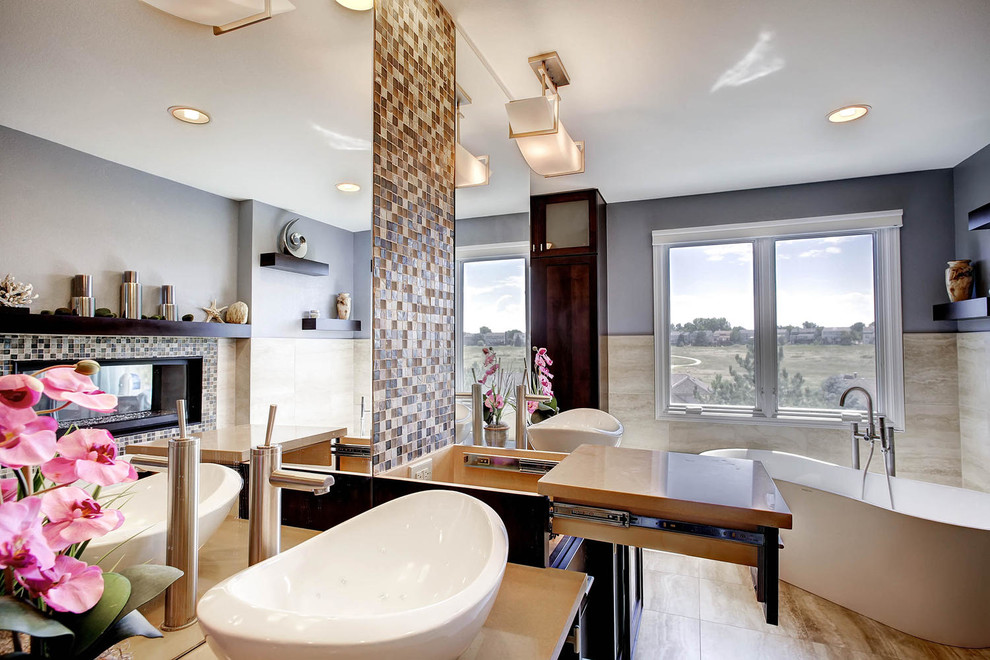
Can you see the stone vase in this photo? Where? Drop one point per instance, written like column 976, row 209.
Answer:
column 959, row 280
column 496, row 436
column 343, row 306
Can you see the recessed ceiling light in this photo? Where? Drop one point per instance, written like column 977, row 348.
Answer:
column 848, row 113
column 348, row 187
column 357, row 5
column 189, row 115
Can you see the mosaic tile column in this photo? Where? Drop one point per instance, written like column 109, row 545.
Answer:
column 413, row 249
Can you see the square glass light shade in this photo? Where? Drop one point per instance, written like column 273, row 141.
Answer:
column 555, row 154
column 469, row 170
column 535, row 115
column 217, row 12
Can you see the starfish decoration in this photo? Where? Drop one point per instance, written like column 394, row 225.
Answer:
column 212, row 313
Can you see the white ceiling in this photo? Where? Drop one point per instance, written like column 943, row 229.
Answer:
column 646, row 96
column 290, row 97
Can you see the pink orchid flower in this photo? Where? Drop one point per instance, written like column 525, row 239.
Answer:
column 22, row 544
column 69, row 585
column 74, row 517
column 499, row 402
column 20, row 391
column 8, row 489
column 90, row 455
column 25, row 438
column 66, row 384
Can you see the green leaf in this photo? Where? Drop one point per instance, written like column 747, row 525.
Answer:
column 131, row 625
column 21, row 617
column 147, row 581
column 88, row 626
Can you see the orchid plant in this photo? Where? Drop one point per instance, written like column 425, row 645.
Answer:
column 69, row 608
column 499, row 386
column 540, row 383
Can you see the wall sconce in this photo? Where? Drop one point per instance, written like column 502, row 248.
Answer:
column 224, row 15
column 535, row 125
column 469, row 170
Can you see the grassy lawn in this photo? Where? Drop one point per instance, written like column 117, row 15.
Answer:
column 814, row 362
column 514, row 359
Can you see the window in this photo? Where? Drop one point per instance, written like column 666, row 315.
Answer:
column 771, row 322
column 492, row 307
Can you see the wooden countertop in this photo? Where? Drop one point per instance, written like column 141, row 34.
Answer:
column 531, row 617
column 729, row 492
column 233, row 444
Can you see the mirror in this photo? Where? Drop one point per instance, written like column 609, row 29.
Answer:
column 491, row 248
column 100, row 177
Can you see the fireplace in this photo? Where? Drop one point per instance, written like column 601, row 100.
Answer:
column 146, row 390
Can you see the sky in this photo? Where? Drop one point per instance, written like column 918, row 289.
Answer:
column 495, row 295
column 828, row 281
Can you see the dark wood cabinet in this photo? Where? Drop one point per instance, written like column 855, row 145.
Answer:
column 569, row 295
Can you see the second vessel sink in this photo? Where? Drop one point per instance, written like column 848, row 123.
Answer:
column 412, row 578
column 462, row 423
column 570, row 429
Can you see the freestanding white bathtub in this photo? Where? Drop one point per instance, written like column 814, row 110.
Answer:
column 141, row 539
column 923, row 568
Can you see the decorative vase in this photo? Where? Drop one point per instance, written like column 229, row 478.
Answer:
column 343, row 306
column 959, row 280
column 496, row 436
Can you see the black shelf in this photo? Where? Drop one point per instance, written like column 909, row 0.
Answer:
column 980, row 218
column 331, row 324
column 51, row 324
column 974, row 308
column 292, row 264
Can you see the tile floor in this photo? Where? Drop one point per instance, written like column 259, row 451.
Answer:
column 703, row 609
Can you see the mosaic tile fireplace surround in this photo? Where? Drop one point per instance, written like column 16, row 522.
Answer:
column 17, row 348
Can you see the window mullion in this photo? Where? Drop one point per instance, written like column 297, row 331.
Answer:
column 765, row 337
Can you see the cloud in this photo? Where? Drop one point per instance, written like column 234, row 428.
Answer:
column 822, row 252
column 743, row 252
column 761, row 60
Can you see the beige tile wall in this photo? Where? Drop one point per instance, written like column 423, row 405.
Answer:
column 929, row 449
column 311, row 380
column 226, row 382
column 974, row 409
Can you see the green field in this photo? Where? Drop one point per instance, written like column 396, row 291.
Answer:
column 514, row 359
column 814, row 362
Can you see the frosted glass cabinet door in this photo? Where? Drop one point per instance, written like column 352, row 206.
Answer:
column 567, row 225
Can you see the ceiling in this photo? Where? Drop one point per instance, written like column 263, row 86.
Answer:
column 678, row 97
column 290, row 97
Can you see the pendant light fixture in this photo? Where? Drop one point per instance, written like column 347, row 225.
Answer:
column 469, row 170
column 535, row 125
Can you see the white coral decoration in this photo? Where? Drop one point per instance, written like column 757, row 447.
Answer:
column 14, row 293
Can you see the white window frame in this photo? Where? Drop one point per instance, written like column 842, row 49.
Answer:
column 885, row 227
column 483, row 252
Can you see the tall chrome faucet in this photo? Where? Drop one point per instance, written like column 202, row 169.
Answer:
column 267, row 478
column 182, row 529
column 886, row 438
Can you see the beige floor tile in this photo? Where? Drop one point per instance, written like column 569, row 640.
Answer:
column 720, row 571
column 670, row 593
column 668, row 637
column 669, row 562
column 724, row 642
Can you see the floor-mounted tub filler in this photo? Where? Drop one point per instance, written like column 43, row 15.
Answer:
column 412, row 578
column 923, row 567
column 570, row 429
column 141, row 539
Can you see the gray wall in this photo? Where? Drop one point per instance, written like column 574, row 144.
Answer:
column 927, row 240
column 64, row 212
column 508, row 228
column 972, row 190
column 279, row 298
column 361, row 292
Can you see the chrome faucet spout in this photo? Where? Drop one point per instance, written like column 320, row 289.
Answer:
column 318, row 484
column 871, row 424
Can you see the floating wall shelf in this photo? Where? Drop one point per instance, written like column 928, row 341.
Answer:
column 975, row 308
column 331, row 324
column 51, row 324
column 291, row 264
column 980, row 218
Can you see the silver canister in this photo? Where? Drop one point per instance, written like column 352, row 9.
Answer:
column 182, row 542
column 83, row 303
column 167, row 307
column 130, row 296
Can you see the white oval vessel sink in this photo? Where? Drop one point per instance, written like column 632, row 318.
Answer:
column 412, row 578
column 462, row 423
column 570, row 429
column 141, row 539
